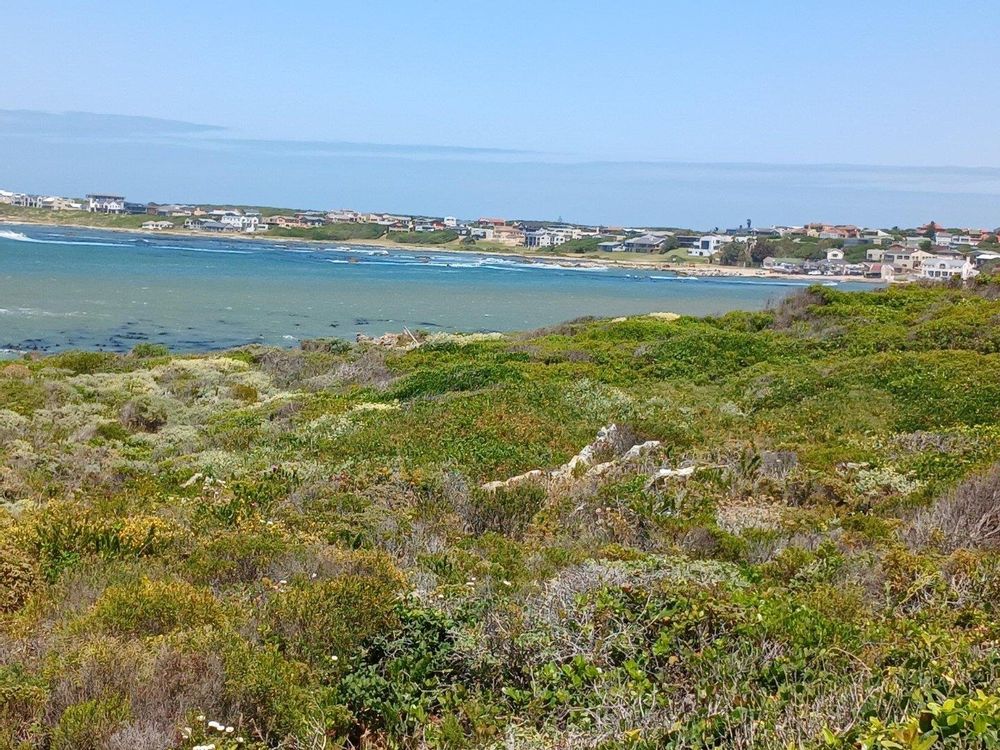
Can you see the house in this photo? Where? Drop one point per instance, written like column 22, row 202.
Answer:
column 904, row 258
column 508, row 235
column 942, row 269
column 208, row 225
column 310, row 219
column 539, row 238
column 450, row 222
column 135, row 209
column 282, row 221
column 56, row 203
column 881, row 271
column 942, row 239
column 549, row 236
column 612, row 246
column 787, row 265
column 876, row 236
column 645, row 243
column 236, row 222
column 482, row 233
column 875, row 254
column 708, row 245
column 834, row 253
column 24, row 200
column 6, row 197
column 982, row 257
column 157, row 225
column 961, row 241
column 343, row 216
column 100, row 203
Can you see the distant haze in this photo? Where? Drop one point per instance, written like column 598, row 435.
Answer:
column 170, row 161
column 638, row 112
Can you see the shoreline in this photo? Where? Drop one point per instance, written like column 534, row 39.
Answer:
column 700, row 270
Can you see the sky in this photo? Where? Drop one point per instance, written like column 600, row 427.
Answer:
column 661, row 113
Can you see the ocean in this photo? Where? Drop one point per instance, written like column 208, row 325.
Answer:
column 67, row 288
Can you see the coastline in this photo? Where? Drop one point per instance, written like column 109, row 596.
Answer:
column 701, row 270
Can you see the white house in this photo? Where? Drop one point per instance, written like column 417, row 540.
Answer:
column 942, row 239
column 238, row 222
column 834, row 253
column 157, row 225
column 962, row 240
column 451, row 222
column 941, row 269
column 549, row 236
column 875, row 254
column 708, row 245
column 27, row 201
column 106, row 204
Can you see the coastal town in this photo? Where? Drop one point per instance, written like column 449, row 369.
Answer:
column 931, row 252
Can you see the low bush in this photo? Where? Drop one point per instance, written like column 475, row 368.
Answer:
column 89, row 725
column 967, row 517
column 149, row 351
column 317, row 619
column 144, row 413
column 153, row 607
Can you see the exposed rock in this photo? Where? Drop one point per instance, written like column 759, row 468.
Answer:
column 528, row 476
column 404, row 340
column 610, row 441
column 663, row 474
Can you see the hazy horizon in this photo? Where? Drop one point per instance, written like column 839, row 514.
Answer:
column 654, row 114
column 149, row 159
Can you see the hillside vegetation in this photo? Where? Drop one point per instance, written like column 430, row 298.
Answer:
column 761, row 530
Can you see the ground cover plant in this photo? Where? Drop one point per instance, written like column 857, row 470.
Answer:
column 760, row 530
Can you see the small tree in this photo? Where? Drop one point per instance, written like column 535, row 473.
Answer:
column 734, row 254
column 762, row 249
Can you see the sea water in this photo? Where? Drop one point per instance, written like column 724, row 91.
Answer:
column 65, row 288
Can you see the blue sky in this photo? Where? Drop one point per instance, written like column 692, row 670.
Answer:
column 685, row 113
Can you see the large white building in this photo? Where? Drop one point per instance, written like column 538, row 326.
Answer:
column 708, row 245
column 106, row 204
column 238, row 222
column 941, row 269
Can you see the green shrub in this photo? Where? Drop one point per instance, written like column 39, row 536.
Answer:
column 432, row 382
column 326, row 346
column 147, row 350
column 245, row 393
column 87, row 725
column 22, row 704
column 317, row 619
column 144, row 413
column 84, row 362
column 507, row 510
column 147, row 607
column 20, row 574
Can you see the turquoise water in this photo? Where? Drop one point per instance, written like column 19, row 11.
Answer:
column 64, row 288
